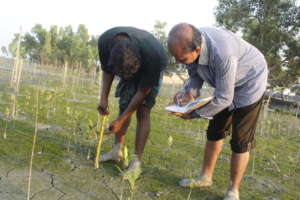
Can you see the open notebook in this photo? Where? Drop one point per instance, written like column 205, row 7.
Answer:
column 188, row 108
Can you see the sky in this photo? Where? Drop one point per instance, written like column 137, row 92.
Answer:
column 100, row 15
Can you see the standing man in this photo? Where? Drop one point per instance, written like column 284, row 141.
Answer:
column 138, row 59
column 238, row 72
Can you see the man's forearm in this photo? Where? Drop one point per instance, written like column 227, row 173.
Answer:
column 193, row 86
column 224, row 89
column 135, row 102
column 107, row 80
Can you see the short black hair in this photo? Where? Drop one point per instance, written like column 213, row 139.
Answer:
column 124, row 58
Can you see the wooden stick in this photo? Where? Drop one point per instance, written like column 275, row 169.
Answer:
column 33, row 144
column 15, row 71
column 103, row 124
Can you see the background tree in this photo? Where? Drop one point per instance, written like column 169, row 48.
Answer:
column 12, row 47
column 82, row 51
column 160, row 33
column 4, row 51
column 54, row 42
column 270, row 25
column 59, row 46
column 93, row 51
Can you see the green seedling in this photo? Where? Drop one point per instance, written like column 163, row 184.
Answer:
column 7, row 113
column 33, row 144
column 170, row 141
column 132, row 176
column 126, row 159
column 90, row 134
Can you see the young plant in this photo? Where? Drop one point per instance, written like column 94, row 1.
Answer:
column 170, row 142
column 50, row 104
column 130, row 177
column 6, row 122
column 91, row 135
column 33, row 144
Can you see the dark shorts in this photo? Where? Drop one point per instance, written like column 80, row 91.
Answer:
column 126, row 89
column 241, row 122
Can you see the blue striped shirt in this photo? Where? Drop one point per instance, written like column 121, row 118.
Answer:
column 236, row 69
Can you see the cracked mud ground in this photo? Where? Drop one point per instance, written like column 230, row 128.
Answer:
column 81, row 183
column 57, row 174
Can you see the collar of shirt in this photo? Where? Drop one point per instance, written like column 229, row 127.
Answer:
column 203, row 58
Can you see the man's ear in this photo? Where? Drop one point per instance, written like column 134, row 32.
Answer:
column 198, row 50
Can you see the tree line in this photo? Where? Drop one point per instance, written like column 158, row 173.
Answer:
column 58, row 46
column 270, row 25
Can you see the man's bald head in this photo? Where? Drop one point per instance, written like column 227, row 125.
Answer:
column 184, row 36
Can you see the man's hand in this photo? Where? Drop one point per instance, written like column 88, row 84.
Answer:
column 182, row 98
column 103, row 107
column 183, row 116
column 115, row 126
column 191, row 115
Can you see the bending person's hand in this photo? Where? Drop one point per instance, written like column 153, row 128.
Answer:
column 182, row 98
column 183, row 115
column 103, row 108
column 115, row 126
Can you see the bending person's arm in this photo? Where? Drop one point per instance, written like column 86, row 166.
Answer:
column 107, row 80
column 194, row 83
column 134, row 104
column 191, row 88
column 224, row 89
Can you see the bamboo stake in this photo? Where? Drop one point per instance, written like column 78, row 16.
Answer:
column 65, row 73
column 14, row 81
column 15, row 71
column 19, row 74
column 33, row 144
column 104, row 119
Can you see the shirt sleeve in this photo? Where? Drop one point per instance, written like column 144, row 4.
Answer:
column 194, row 83
column 224, row 88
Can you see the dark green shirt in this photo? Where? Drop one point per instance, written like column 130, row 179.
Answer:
column 154, row 58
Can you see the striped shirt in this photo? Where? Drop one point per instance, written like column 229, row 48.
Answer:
column 234, row 68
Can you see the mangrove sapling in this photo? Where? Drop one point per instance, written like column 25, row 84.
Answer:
column 73, row 120
column 7, row 115
column 33, row 144
column 13, row 108
column 130, row 177
column 73, row 87
column 27, row 98
column 65, row 73
column 170, row 142
column 91, row 135
column 167, row 150
column 68, row 112
column 50, row 104
column 15, row 76
column 76, row 127
column 19, row 75
column 190, row 191
column 126, row 160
